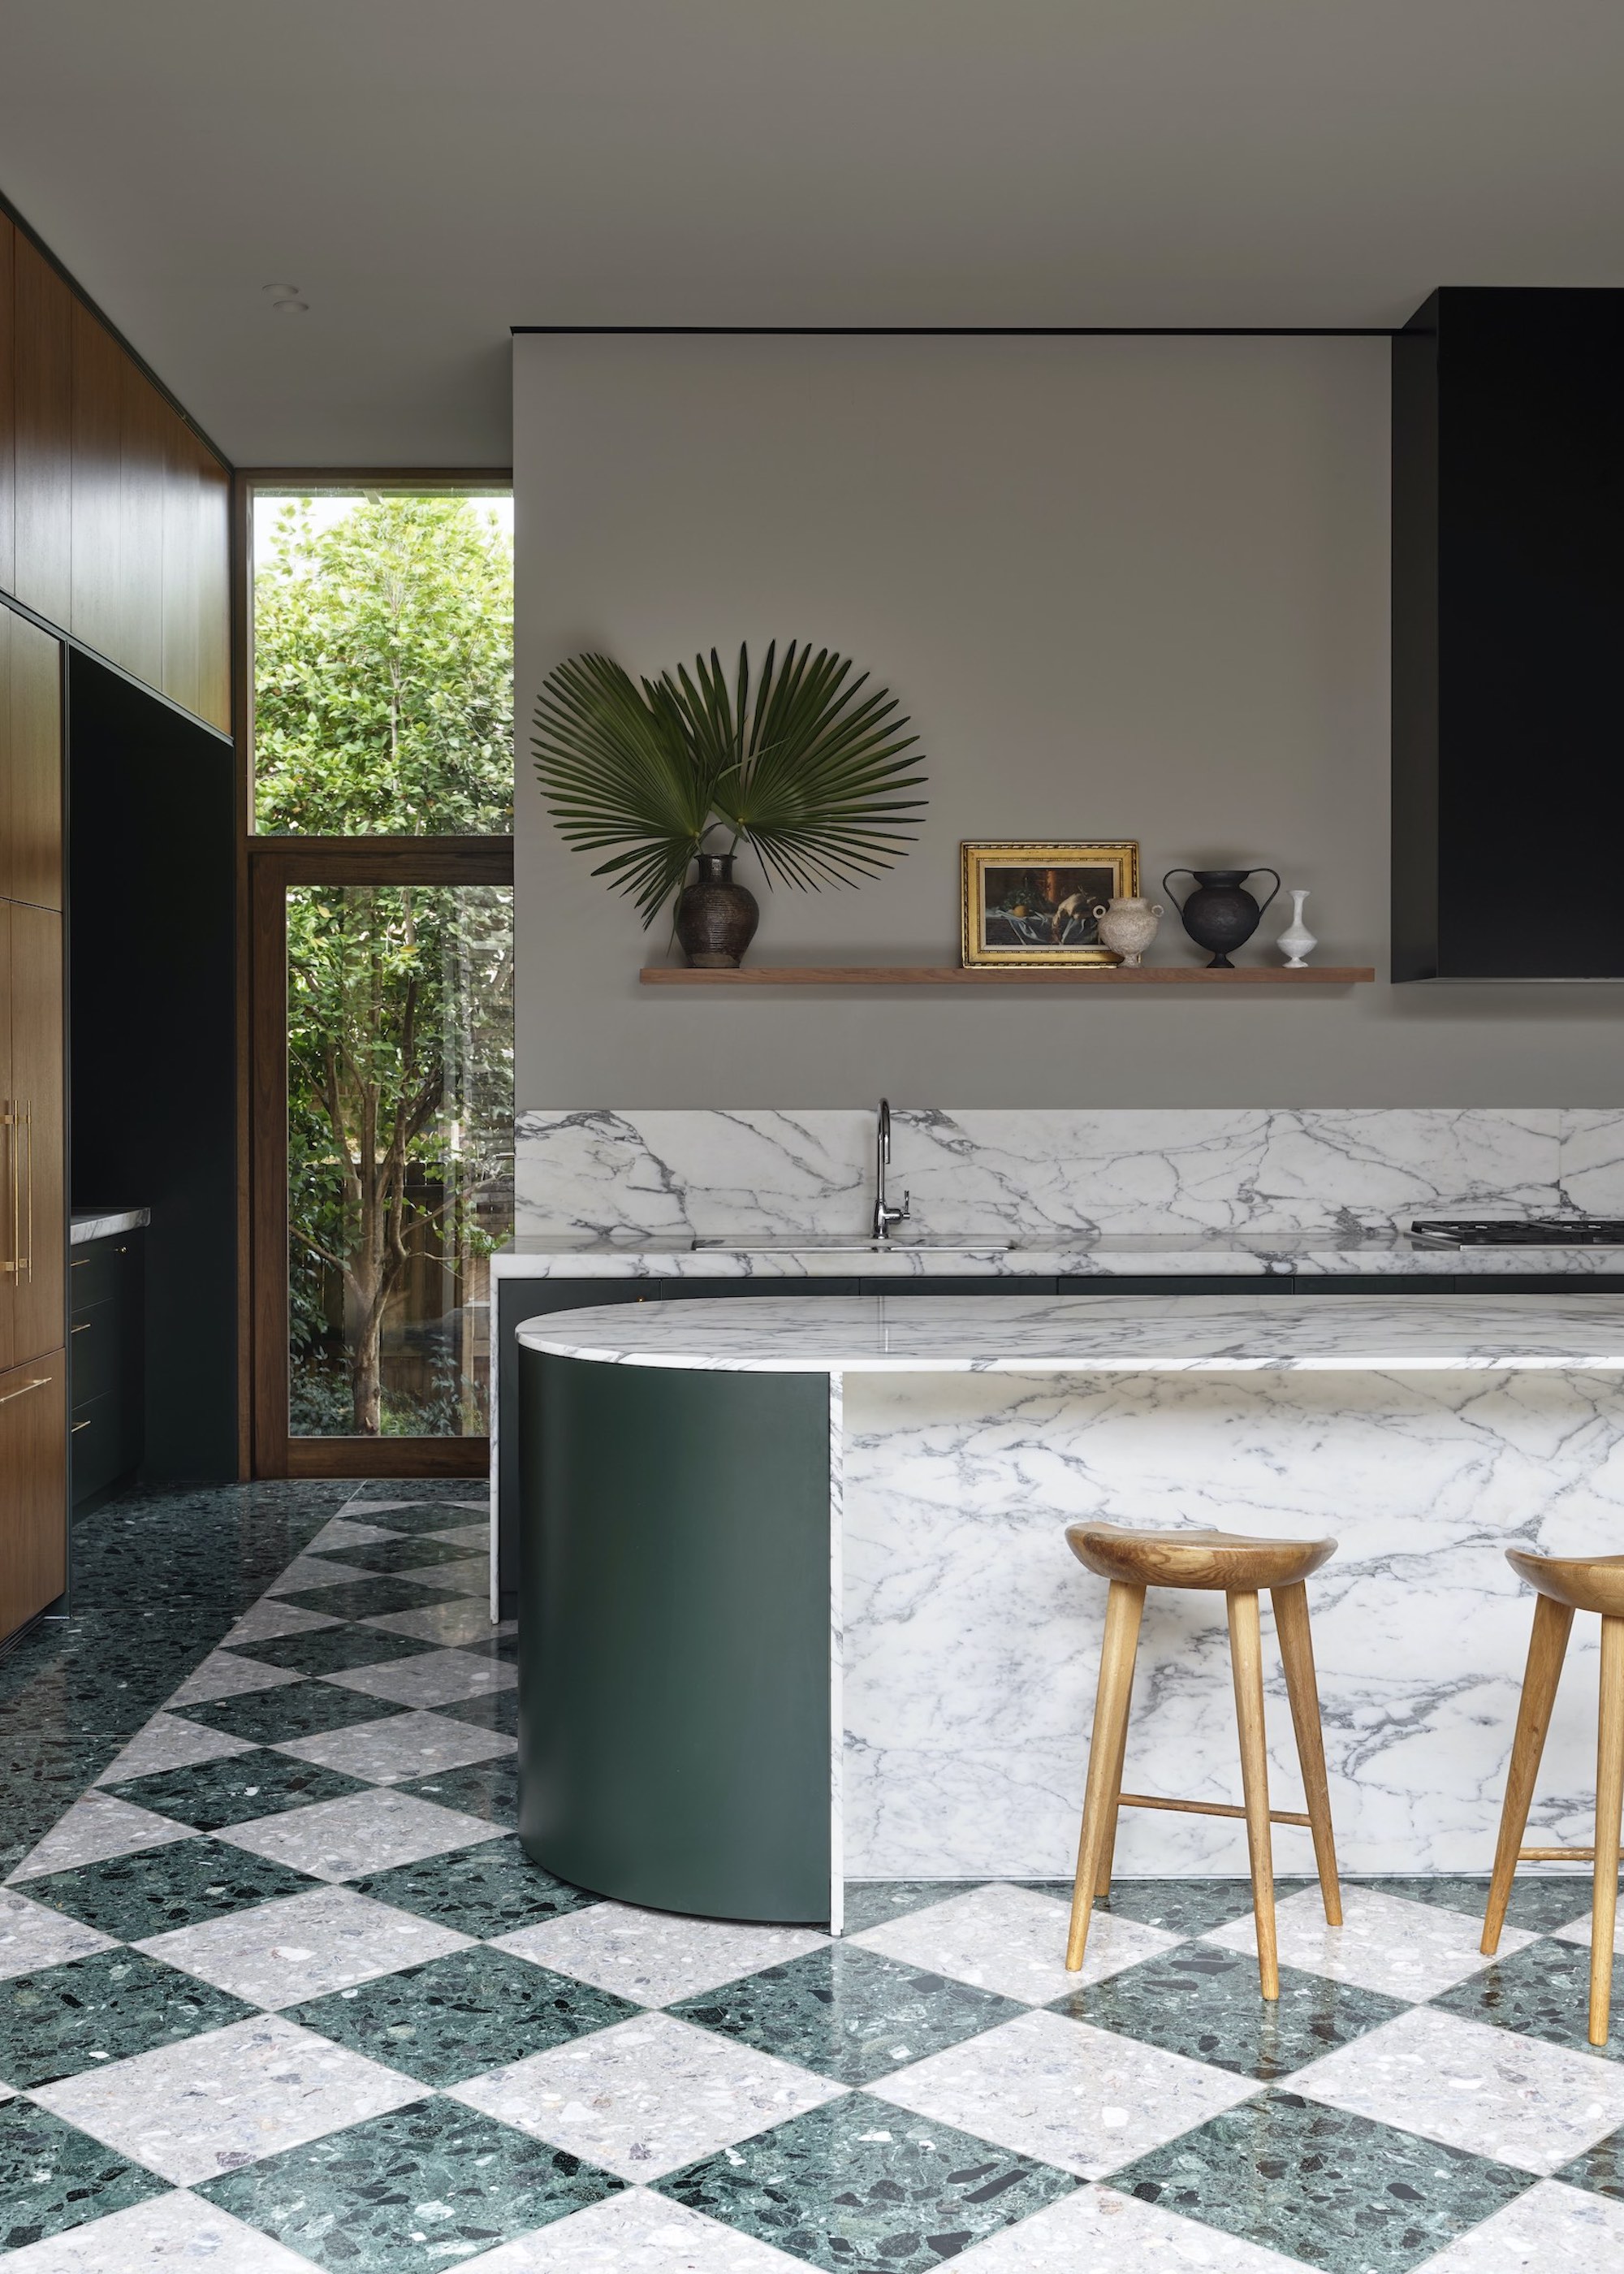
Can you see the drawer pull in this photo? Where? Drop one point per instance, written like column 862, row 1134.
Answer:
column 78, row 1425
column 85, row 1330
column 43, row 1379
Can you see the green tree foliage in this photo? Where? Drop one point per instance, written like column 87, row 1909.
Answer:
column 383, row 703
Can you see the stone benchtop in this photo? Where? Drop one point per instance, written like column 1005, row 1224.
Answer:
column 1098, row 1334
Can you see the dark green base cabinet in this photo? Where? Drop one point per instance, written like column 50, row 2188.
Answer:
column 675, row 1603
column 107, row 1292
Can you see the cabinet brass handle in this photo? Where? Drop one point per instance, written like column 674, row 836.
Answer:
column 25, row 1263
column 78, row 1425
column 13, row 1267
column 41, row 1384
column 85, row 1330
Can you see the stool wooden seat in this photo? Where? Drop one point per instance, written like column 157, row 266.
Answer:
column 1566, row 1584
column 1239, row 1567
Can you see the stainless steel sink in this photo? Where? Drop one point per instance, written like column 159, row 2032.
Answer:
column 839, row 1243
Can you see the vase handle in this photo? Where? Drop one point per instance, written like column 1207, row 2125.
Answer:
column 1261, row 872
column 1167, row 881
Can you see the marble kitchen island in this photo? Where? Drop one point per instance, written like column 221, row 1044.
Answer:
column 796, row 1607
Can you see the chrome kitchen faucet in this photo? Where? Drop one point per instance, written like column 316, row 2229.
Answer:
column 884, row 1217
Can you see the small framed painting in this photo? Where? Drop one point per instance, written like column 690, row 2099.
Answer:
column 1035, row 903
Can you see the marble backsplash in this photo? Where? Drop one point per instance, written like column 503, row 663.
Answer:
column 1084, row 1174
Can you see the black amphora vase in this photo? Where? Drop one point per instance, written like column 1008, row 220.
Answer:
column 1220, row 914
column 716, row 918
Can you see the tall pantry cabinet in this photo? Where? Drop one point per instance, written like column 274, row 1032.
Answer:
column 32, row 1115
column 114, row 536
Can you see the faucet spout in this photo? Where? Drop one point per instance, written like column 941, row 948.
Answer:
column 884, row 1214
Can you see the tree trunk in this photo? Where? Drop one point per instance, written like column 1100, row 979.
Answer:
column 366, row 1379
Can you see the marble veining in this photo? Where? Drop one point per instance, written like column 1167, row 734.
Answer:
column 1102, row 1334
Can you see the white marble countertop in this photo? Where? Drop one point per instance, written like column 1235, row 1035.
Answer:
column 1330, row 1251
column 1102, row 1334
column 101, row 1224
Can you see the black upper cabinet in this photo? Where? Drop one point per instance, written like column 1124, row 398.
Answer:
column 1508, row 636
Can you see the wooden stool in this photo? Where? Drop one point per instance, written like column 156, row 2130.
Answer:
column 1566, row 1585
column 1134, row 1561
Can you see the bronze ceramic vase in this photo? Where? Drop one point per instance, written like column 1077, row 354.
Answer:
column 715, row 917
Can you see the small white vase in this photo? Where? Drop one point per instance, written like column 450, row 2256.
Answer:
column 1127, row 926
column 1297, row 942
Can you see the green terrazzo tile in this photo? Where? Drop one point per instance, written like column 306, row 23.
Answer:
column 157, row 1888
column 487, row 1788
column 415, row 1552
column 332, row 1650
column 104, row 2008
column 485, row 1891
column 1175, row 1906
column 217, row 1793
column 455, row 2016
column 365, row 1599
column 1543, row 1991
column 1337, row 2191
column 847, row 2013
column 505, row 1646
column 1600, row 2170
column 1204, row 2003
column 429, row 1512
column 53, row 2176
column 409, row 2193
column 871, row 1902
column 1536, row 1905
column 299, row 1709
column 857, row 2187
column 499, row 1710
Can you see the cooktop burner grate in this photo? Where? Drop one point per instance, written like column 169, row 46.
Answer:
column 1526, row 1231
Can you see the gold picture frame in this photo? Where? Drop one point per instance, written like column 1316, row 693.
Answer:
column 1032, row 902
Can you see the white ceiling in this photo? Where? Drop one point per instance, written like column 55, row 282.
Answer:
column 429, row 172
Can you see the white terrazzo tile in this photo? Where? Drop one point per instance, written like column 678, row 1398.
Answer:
column 170, row 2232
column 1012, row 1939
column 655, row 1957
column 474, row 1538
column 434, row 1679
column 316, row 1571
column 224, row 1675
column 343, row 1533
column 1098, row 2232
column 647, row 2096
column 301, row 1946
column 1470, row 2085
column 634, row 2234
column 97, row 1826
column 1577, row 1929
column 168, row 1742
column 1551, row 2230
column 364, row 1831
column 211, row 2104
column 1402, row 1949
column 32, row 1936
column 469, row 1575
column 269, row 1617
column 463, row 1620
column 1065, row 2092
column 402, row 1745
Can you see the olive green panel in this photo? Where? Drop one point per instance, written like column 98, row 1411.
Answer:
column 674, row 1635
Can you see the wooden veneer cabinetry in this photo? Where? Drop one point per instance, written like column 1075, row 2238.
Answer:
column 114, row 518
column 33, row 1192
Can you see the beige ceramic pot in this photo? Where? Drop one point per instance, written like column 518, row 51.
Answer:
column 1128, row 926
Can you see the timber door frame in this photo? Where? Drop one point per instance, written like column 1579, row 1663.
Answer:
column 275, row 864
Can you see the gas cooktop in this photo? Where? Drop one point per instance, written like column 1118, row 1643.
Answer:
column 1526, row 1231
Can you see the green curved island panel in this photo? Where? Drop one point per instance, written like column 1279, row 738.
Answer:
column 673, row 1599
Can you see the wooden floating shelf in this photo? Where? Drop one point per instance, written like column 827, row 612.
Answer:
column 953, row 974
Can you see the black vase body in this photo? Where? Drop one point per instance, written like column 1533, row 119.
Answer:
column 716, row 918
column 1220, row 914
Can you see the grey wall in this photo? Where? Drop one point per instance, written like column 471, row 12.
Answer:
column 1131, row 587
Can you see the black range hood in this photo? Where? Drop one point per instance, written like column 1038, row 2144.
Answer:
column 1508, row 636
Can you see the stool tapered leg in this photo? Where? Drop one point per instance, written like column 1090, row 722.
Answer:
column 1547, row 1647
column 1609, row 1808
column 1296, row 1652
column 1107, row 1845
column 1124, row 1605
column 1246, row 1663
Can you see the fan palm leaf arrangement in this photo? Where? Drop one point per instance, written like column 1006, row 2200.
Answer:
column 806, row 768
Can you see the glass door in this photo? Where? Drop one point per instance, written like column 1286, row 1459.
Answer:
column 383, row 1170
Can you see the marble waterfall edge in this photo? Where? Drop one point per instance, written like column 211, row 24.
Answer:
column 675, row 1176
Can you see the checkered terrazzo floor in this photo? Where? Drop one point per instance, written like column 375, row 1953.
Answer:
column 281, row 1990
